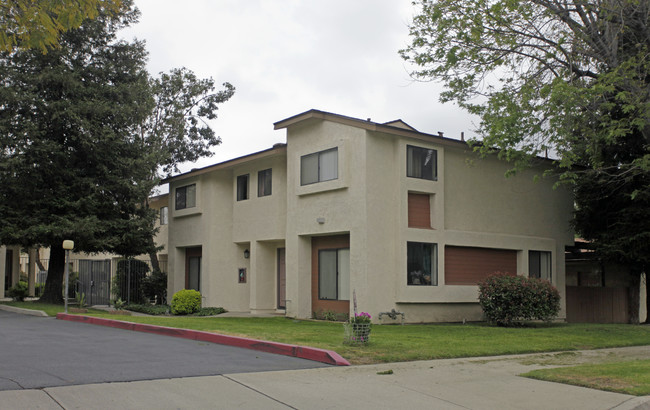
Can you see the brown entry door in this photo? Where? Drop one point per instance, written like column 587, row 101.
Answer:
column 331, row 274
column 193, row 268
column 282, row 280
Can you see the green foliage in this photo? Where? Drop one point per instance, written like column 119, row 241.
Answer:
column 81, row 299
column 185, row 302
column 129, row 279
column 19, row 291
column 154, row 286
column 330, row 315
column 149, row 309
column 38, row 24
column 119, row 304
column 210, row 311
column 507, row 300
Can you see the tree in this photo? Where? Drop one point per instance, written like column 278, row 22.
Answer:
column 570, row 77
column 72, row 165
column 37, row 24
column 84, row 135
column 178, row 131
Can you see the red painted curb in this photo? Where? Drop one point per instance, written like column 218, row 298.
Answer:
column 303, row 352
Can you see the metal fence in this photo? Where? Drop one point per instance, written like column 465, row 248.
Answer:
column 101, row 281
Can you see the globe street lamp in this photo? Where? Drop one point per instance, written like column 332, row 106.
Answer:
column 67, row 245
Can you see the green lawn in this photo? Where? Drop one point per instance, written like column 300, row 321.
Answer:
column 393, row 343
column 48, row 308
column 621, row 377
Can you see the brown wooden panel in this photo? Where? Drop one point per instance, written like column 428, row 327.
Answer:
column 596, row 305
column 326, row 242
column 419, row 211
column 282, row 279
column 468, row 266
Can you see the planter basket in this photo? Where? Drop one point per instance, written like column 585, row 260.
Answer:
column 356, row 333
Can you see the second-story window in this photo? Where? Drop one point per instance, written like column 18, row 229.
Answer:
column 186, row 196
column 319, row 166
column 264, row 182
column 242, row 187
column 164, row 215
column 421, row 163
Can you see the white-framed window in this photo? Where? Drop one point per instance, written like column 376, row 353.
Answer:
column 264, row 182
column 421, row 163
column 421, row 264
column 539, row 265
column 334, row 274
column 186, row 196
column 242, row 187
column 319, row 166
column 164, row 215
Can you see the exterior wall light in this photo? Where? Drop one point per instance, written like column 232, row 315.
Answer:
column 67, row 245
column 247, row 254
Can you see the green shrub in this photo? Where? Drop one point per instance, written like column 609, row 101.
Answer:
column 210, row 311
column 508, row 300
column 155, row 286
column 19, row 291
column 185, row 302
column 149, row 309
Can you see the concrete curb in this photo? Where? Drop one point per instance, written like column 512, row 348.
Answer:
column 22, row 311
column 303, row 352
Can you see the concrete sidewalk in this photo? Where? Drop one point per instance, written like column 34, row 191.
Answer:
column 476, row 383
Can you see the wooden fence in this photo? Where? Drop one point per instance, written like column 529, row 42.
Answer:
column 585, row 304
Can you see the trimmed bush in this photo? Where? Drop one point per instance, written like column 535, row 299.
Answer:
column 508, row 300
column 186, row 302
column 19, row 291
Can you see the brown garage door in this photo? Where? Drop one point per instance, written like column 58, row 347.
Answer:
column 468, row 266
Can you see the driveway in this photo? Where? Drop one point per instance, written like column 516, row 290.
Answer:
column 38, row 352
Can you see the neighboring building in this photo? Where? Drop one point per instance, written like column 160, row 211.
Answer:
column 9, row 267
column 95, row 270
column 401, row 219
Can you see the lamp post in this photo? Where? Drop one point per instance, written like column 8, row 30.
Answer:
column 67, row 245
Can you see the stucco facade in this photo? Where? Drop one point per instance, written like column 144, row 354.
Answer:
column 338, row 222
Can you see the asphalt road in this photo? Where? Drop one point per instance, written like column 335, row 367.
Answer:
column 39, row 352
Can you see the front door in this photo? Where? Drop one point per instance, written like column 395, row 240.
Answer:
column 331, row 274
column 193, row 268
column 282, row 280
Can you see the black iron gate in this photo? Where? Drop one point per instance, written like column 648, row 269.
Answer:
column 95, row 281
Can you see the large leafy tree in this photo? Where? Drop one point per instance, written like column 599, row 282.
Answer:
column 72, row 165
column 569, row 77
column 38, row 23
column 86, row 134
column 178, row 128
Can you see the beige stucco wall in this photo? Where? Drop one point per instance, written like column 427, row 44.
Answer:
column 473, row 204
column 225, row 228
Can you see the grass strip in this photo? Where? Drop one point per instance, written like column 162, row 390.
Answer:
column 394, row 343
column 630, row 377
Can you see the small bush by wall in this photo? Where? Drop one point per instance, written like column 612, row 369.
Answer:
column 507, row 300
column 19, row 291
column 185, row 302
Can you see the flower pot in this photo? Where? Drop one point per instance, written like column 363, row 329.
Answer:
column 356, row 333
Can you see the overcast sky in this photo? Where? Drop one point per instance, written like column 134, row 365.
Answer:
column 288, row 56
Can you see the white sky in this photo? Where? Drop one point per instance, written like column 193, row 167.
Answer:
column 288, row 56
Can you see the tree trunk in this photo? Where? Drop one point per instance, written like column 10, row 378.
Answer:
column 53, row 292
column 633, row 293
column 647, row 296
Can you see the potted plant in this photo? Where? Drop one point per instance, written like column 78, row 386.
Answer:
column 357, row 330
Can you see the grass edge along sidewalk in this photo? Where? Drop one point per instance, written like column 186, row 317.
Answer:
column 303, row 352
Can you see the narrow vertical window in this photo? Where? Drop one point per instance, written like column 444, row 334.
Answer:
column 264, row 184
column 539, row 265
column 421, row 163
column 242, row 187
column 164, row 215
